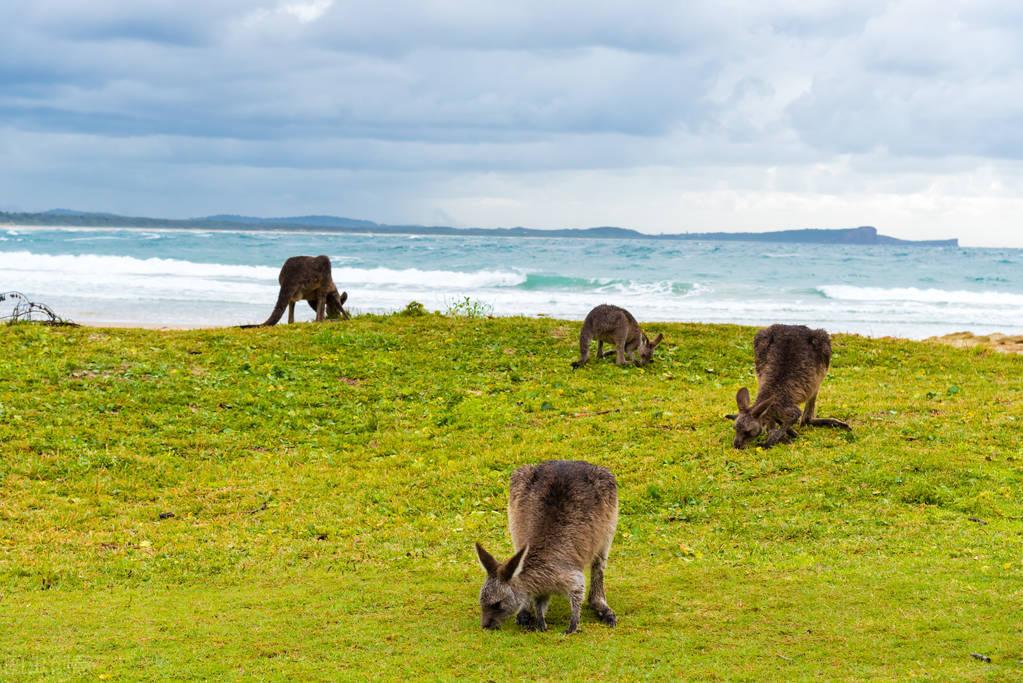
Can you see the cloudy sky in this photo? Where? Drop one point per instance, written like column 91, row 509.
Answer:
column 660, row 115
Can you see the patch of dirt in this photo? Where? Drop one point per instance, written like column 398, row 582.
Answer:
column 350, row 381
column 590, row 413
column 1000, row 343
column 88, row 373
column 561, row 332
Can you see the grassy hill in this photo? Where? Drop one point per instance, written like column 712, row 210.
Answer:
column 301, row 502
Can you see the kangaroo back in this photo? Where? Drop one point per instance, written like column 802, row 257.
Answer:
column 566, row 511
column 791, row 361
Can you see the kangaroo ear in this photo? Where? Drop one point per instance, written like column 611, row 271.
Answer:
column 487, row 560
column 762, row 408
column 742, row 399
column 344, row 297
column 657, row 340
column 513, row 567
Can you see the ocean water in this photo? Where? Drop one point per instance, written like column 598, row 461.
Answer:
column 178, row 277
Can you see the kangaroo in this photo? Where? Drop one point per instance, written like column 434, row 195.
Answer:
column 791, row 362
column 562, row 516
column 616, row 326
column 307, row 277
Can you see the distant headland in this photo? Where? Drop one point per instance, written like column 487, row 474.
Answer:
column 864, row 235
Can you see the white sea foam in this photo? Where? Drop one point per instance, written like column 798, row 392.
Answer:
column 916, row 295
column 96, row 265
column 106, row 266
column 124, row 277
column 428, row 279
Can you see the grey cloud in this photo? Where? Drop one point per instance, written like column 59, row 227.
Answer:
column 173, row 89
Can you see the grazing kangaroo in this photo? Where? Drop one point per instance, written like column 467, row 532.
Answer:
column 791, row 362
column 616, row 326
column 562, row 516
column 307, row 277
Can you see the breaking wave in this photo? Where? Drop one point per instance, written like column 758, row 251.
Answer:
column 917, row 295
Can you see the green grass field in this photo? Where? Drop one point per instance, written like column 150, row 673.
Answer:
column 301, row 502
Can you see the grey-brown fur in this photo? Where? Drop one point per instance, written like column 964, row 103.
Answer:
column 562, row 516
column 791, row 362
column 615, row 325
column 309, row 278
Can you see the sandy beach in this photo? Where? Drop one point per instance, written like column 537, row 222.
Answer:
column 1001, row 343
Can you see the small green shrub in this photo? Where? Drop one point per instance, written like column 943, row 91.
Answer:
column 469, row 308
column 414, row 309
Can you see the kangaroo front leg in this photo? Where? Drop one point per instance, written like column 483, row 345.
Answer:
column 291, row 312
column 575, row 600
column 540, row 608
column 783, row 433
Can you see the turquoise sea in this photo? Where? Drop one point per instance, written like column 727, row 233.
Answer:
column 179, row 277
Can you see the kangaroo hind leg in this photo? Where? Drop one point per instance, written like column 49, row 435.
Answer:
column 809, row 410
column 596, row 598
column 321, row 307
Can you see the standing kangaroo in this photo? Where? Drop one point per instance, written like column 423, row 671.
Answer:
column 616, row 326
column 562, row 516
column 307, row 277
column 791, row 362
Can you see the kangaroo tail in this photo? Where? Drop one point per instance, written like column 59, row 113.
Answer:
column 585, row 336
column 283, row 299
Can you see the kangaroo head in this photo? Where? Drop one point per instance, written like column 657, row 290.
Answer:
column 336, row 306
column 646, row 348
column 500, row 597
column 748, row 423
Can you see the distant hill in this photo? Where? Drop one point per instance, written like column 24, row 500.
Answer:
column 864, row 235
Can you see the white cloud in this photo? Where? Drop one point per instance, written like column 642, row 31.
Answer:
column 304, row 11
column 309, row 11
